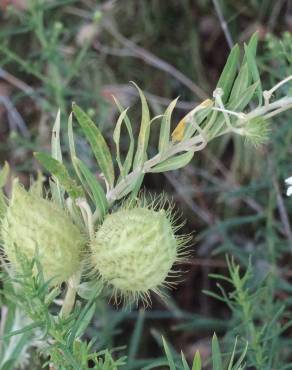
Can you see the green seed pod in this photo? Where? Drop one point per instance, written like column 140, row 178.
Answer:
column 33, row 225
column 134, row 251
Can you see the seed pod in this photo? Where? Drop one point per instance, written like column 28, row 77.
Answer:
column 134, row 251
column 34, row 225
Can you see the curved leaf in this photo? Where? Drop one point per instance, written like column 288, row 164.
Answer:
column 229, row 72
column 173, row 163
column 165, row 127
column 97, row 143
column 96, row 189
column 144, row 133
column 59, row 172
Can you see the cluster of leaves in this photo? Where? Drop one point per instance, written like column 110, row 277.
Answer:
column 55, row 336
column 217, row 362
column 58, row 338
column 192, row 133
column 256, row 315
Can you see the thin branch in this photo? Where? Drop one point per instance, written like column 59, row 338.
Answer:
column 156, row 62
column 16, row 82
column 193, row 144
column 223, row 24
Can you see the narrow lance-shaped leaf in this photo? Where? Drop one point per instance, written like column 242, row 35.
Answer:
column 144, row 133
column 168, row 355
column 230, row 365
column 241, row 82
column 252, row 45
column 73, row 155
column 216, row 354
column 56, row 190
column 173, row 163
column 164, row 135
column 86, row 320
column 129, row 157
column 55, row 141
column 116, row 137
column 59, row 172
column 72, row 145
column 136, row 336
column 184, row 362
column 239, row 364
column 197, row 364
column 252, row 65
column 97, row 143
column 96, row 189
column 229, row 72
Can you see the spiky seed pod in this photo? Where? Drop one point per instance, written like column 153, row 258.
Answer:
column 134, row 251
column 33, row 225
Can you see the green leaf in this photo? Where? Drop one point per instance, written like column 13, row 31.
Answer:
column 126, row 166
column 230, row 365
column 27, row 328
column 238, row 364
column 252, row 65
column 184, row 362
column 86, row 320
column 252, row 45
column 97, row 143
column 82, row 314
column 9, row 364
column 168, row 355
column 241, row 82
column 173, row 163
column 144, row 133
column 72, row 146
column 229, row 72
column 96, row 189
column 129, row 157
column 165, row 127
column 56, row 190
column 240, row 103
column 216, row 354
column 136, row 336
column 55, row 141
column 197, row 364
column 59, row 172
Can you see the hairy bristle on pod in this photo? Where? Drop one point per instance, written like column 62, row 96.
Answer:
column 135, row 249
column 34, row 226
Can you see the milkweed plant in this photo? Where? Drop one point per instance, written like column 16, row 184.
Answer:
column 65, row 245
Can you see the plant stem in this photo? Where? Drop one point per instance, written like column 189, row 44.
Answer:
column 197, row 143
column 74, row 281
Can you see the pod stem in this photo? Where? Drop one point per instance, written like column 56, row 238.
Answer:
column 74, row 281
